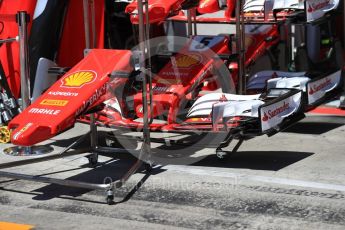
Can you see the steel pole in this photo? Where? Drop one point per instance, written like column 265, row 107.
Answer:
column 93, row 24
column 146, row 148
column 343, row 25
column 86, row 23
column 22, row 20
column 243, row 49
column 148, row 59
column 240, row 46
column 194, row 22
column 189, row 23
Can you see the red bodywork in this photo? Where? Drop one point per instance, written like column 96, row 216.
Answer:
column 211, row 6
column 158, row 10
column 83, row 87
column 9, row 52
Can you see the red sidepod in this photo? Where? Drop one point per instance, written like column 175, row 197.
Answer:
column 81, row 88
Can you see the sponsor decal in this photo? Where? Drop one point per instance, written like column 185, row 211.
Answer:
column 318, row 8
column 28, row 125
column 201, row 119
column 100, row 92
column 64, row 94
column 165, row 81
column 273, row 113
column 45, row 111
column 171, row 73
column 188, row 61
column 317, row 5
column 78, row 79
column 54, row 102
column 316, row 88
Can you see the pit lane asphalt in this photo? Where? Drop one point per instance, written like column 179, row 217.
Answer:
column 293, row 180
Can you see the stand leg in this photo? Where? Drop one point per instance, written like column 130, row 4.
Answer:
column 221, row 154
column 110, row 197
column 93, row 157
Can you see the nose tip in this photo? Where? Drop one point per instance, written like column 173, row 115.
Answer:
column 30, row 134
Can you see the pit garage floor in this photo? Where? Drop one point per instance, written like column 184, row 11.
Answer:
column 293, row 180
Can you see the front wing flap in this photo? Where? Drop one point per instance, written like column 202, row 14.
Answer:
column 281, row 112
column 319, row 88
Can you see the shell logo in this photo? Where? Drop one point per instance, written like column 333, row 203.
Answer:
column 78, row 79
column 187, row 61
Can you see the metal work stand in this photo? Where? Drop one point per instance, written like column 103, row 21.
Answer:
column 94, row 149
column 220, row 153
column 242, row 84
column 240, row 47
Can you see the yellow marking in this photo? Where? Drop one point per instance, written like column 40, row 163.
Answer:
column 169, row 81
column 54, row 102
column 187, row 61
column 14, row 226
column 78, row 79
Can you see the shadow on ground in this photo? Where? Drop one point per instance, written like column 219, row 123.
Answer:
column 104, row 172
column 119, row 164
column 257, row 160
column 315, row 128
column 317, row 125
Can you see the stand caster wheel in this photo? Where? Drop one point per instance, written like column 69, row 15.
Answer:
column 110, row 200
column 93, row 159
column 148, row 167
column 110, row 197
column 109, row 143
column 221, row 154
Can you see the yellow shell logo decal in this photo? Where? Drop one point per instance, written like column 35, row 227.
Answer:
column 78, row 79
column 187, row 61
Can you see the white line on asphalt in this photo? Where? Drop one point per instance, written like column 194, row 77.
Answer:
column 240, row 176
